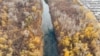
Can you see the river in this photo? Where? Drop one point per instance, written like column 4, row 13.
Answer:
column 50, row 42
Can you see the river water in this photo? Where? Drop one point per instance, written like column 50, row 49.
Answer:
column 50, row 42
column 46, row 18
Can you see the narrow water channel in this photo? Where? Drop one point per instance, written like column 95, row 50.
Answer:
column 46, row 18
column 50, row 43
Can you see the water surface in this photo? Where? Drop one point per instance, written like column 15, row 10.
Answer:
column 50, row 43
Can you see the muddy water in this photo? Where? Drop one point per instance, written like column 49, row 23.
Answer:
column 50, row 43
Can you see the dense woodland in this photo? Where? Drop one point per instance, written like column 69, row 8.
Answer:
column 76, row 31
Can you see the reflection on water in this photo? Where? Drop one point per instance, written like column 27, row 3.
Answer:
column 46, row 23
column 50, row 43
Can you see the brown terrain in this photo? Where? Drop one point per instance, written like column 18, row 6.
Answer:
column 76, row 28
column 20, row 28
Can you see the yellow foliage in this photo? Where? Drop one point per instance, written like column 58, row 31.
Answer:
column 28, row 53
column 5, row 36
column 31, row 35
column 81, row 36
column 93, row 43
column 89, row 28
column 88, row 34
column 71, row 47
column 77, row 34
column 89, row 54
column 98, row 25
column 67, row 37
column 65, row 41
column 37, row 39
column 76, row 37
column 37, row 53
column 66, row 52
column 90, row 25
column 2, row 40
column 1, row 46
column 10, row 42
column 76, row 49
column 84, row 46
column 39, row 11
column 9, row 54
column 81, row 8
column 88, row 31
column 75, row 1
column 57, row 28
column 3, row 23
column 71, row 53
column 31, row 45
column 5, row 7
column 95, row 34
column 10, row 49
column 4, row 16
column 24, row 53
column 1, row 53
column 5, row 46
column 29, row 18
column 89, row 15
column 56, row 23
column 61, row 33
column 34, row 8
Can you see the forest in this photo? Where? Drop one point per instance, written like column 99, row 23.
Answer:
column 48, row 28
